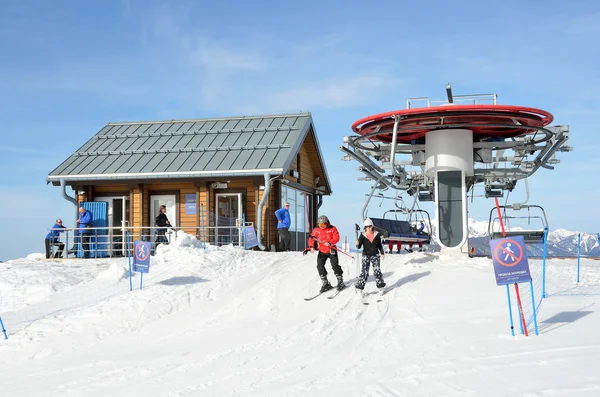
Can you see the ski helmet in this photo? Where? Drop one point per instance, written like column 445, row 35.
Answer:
column 368, row 222
column 323, row 219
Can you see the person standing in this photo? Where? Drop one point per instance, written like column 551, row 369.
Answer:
column 323, row 238
column 84, row 224
column 370, row 239
column 52, row 238
column 283, row 226
column 163, row 222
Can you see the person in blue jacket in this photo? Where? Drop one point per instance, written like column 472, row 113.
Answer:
column 418, row 232
column 283, row 226
column 52, row 239
column 84, row 224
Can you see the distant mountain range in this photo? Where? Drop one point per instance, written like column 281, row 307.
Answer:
column 561, row 242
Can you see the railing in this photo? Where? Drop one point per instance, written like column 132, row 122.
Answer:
column 111, row 241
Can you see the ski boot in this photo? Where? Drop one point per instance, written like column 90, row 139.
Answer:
column 360, row 292
column 326, row 286
column 340, row 285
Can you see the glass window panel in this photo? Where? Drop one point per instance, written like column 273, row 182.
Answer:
column 292, row 199
column 301, row 213
column 284, row 193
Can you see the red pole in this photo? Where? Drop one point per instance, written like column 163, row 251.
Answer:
column 521, row 309
column 332, row 246
column 500, row 217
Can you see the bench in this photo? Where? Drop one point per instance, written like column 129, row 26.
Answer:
column 394, row 230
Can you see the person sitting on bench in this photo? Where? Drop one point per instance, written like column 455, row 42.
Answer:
column 52, row 239
column 418, row 232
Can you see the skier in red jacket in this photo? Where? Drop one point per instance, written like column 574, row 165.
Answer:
column 323, row 238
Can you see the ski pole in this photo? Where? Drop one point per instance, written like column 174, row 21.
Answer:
column 331, row 246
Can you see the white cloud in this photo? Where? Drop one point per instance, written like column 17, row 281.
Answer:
column 335, row 93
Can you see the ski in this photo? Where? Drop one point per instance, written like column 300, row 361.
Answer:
column 314, row 296
column 380, row 294
column 317, row 295
column 337, row 292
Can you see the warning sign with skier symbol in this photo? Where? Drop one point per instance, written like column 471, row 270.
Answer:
column 510, row 260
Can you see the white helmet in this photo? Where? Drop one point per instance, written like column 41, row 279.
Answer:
column 368, row 222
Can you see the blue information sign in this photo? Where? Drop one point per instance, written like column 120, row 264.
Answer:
column 190, row 204
column 251, row 240
column 510, row 260
column 141, row 257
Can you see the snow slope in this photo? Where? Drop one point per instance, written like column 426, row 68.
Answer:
column 226, row 322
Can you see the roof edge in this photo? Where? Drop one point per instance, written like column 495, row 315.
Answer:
column 210, row 118
column 296, row 148
column 163, row 175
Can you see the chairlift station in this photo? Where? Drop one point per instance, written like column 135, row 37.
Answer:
column 439, row 150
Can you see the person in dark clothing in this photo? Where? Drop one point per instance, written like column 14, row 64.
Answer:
column 84, row 224
column 283, row 226
column 52, row 238
column 163, row 222
column 370, row 239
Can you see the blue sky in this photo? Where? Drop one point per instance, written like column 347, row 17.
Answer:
column 69, row 67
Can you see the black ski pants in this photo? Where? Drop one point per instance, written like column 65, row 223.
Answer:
column 333, row 259
column 84, row 239
column 284, row 238
column 49, row 243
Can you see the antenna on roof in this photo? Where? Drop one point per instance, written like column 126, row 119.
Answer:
column 449, row 93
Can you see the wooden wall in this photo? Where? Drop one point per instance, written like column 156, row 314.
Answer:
column 309, row 168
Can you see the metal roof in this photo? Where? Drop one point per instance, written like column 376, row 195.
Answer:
column 217, row 147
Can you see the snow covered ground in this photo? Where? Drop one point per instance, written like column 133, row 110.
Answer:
column 227, row 322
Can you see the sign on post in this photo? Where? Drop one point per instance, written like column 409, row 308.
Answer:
column 141, row 256
column 509, row 257
column 251, row 240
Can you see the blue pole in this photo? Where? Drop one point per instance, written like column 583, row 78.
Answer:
column 244, row 230
column 129, row 260
column 3, row 330
column 141, row 279
column 512, row 326
column 533, row 307
column 520, row 322
column 203, row 233
column 544, row 295
column 578, row 255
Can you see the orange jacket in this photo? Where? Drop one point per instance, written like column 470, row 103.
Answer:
column 328, row 235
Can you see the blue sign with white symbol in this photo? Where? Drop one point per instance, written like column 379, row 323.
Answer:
column 251, row 240
column 141, row 256
column 510, row 260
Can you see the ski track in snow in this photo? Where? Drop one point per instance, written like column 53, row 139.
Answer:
column 225, row 322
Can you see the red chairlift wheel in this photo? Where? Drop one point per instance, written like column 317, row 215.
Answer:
column 484, row 120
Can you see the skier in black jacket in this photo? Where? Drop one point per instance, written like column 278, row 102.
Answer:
column 370, row 239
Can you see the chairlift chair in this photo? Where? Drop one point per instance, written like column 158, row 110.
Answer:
column 401, row 230
column 529, row 235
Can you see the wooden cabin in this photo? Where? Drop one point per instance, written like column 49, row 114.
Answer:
column 209, row 173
